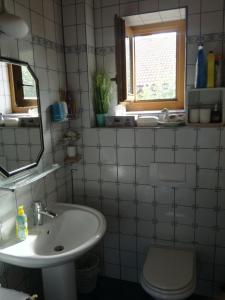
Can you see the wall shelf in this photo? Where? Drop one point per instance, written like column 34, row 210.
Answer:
column 206, row 89
column 206, row 98
column 11, row 184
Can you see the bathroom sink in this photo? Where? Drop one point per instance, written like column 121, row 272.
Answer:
column 74, row 231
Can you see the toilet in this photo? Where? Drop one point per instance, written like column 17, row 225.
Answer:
column 169, row 273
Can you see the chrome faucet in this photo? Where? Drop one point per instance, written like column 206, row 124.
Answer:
column 40, row 210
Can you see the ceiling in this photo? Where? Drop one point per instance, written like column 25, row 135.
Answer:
column 156, row 17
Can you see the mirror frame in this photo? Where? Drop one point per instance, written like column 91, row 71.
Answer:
column 30, row 166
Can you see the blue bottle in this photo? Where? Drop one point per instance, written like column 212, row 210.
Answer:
column 57, row 112
column 200, row 72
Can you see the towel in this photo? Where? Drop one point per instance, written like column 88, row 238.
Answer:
column 12, row 294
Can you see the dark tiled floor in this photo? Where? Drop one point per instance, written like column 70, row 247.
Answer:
column 114, row 289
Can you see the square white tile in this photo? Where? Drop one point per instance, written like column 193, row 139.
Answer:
column 145, row 211
column 164, row 155
column 144, row 137
column 164, row 195
column 109, row 173
column 127, row 209
column 92, row 188
column 125, row 137
column 126, row 174
column 208, row 137
column 208, row 158
column 126, row 156
column 127, row 226
column 144, row 156
column 184, row 233
column 92, row 172
column 109, row 190
column 164, row 213
column 107, row 137
column 206, row 217
column 126, row 191
column 108, row 155
column 164, row 138
column 186, row 137
column 142, row 175
column 207, row 178
column 91, row 155
column 145, row 193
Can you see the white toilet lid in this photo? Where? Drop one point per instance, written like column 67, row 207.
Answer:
column 169, row 268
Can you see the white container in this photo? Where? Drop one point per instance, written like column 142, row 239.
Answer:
column 194, row 115
column 205, row 115
column 87, row 273
column 71, row 151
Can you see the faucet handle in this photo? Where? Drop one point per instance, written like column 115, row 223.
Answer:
column 38, row 205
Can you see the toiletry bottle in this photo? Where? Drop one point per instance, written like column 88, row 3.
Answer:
column 215, row 115
column 219, row 71
column 69, row 102
column 21, row 224
column 200, row 72
column 2, row 122
column 211, row 70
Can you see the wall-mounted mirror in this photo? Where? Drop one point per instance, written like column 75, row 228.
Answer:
column 21, row 135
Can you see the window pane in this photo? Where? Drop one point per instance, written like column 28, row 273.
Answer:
column 155, row 57
column 129, row 66
column 29, row 85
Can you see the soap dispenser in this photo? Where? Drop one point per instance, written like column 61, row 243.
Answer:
column 215, row 115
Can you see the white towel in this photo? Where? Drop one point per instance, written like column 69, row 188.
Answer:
column 12, row 295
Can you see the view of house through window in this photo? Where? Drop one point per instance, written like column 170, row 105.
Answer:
column 155, row 60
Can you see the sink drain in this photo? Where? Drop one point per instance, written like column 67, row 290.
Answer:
column 59, row 248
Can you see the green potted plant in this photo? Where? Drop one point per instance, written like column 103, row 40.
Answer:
column 102, row 88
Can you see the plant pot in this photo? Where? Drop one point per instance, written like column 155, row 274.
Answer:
column 100, row 120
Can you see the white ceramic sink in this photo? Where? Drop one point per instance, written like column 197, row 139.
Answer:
column 74, row 231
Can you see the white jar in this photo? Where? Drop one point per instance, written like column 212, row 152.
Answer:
column 71, row 151
column 194, row 115
column 205, row 115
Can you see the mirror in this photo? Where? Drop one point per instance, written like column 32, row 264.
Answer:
column 21, row 134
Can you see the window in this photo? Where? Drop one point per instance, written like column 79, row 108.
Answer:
column 153, row 76
column 23, row 88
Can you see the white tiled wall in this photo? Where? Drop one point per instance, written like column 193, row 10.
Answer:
column 43, row 49
column 19, row 147
column 5, row 103
column 114, row 178
column 113, row 175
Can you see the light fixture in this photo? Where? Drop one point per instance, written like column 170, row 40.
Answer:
column 11, row 25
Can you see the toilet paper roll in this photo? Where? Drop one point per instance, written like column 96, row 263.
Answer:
column 13, row 295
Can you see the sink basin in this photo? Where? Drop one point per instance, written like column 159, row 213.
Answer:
column 74, row 231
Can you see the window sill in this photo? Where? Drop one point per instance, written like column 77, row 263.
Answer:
column 152, row 112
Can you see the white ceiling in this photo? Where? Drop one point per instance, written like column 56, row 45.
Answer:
column 156, row 17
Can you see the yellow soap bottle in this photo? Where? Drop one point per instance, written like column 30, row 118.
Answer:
column 211, row 70
column 21, row 224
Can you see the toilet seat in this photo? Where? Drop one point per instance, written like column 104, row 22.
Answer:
column 169, row 273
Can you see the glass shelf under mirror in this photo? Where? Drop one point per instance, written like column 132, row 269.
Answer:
column 12, row 183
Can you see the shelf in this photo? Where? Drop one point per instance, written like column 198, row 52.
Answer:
column 207, row 89
column 205, row 125
column 11, row 184
column 70, row 160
